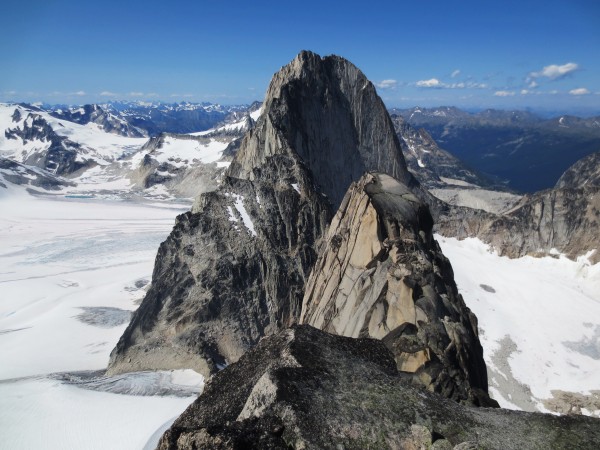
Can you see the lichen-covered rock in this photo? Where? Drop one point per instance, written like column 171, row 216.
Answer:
column 380, row 274
column 306, row 389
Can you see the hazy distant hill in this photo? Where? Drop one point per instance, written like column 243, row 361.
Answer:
column 529, row 152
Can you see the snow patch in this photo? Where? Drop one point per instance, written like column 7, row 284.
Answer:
column 549, row 307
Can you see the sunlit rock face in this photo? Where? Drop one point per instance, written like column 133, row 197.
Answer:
column 380, row 274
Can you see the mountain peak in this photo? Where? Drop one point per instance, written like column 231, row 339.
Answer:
column 324, row 111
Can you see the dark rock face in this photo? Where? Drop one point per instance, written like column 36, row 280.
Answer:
column 380, row 274
column 566, row 218
column 227, row 275
column 328, row 113
column 304, row 388
column 234, row 269
column 429, row 163
column 61, row 155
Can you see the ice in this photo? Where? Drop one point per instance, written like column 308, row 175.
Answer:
column 239, row 205
column 189, row 150
column 256, row 114
column 549, row 307
column 48, row 414
column 71, row 272
column 241, row 209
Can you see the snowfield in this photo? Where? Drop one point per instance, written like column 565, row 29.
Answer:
column 71, row 272
column 75, row 263
column 539, row 322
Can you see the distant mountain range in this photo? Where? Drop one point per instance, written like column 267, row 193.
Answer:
column 526, row 151
column 138, row 119
column 98, row 147
column 495, row 149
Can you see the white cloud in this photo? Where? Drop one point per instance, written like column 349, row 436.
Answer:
column 431, row 83
column 532, row 84
column 136, row 94
column 108, row 94
column 504, row 93
column 554, row 71
column 437, row 84
column 477, row 85
column 387, row 84
column 524, row 92
column 455, row 73
column 79, row 93
column 579, row 91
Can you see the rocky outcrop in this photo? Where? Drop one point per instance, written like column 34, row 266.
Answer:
column 432, row 166
column 234, row 269
column 230, row 272
column 380, row 274
column 585, row 173
column 22, row 175
column 306, row 389
column 56, row 154
column 564, row 219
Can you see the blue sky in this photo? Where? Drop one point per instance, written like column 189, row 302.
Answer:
column 537, row 54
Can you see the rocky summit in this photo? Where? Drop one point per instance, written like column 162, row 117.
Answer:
column 234, row 269
column 306, row 389
column 245, row 260
column 380, row 274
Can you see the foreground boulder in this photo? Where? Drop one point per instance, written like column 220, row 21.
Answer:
column 304, row 388
column 380, row 274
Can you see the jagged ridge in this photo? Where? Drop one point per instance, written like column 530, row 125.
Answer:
column 234, row 269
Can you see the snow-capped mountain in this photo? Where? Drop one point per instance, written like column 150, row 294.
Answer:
column 13, row 174
column 87, row 146
column 109, row 122
column 34, row 137
column 156, row 117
